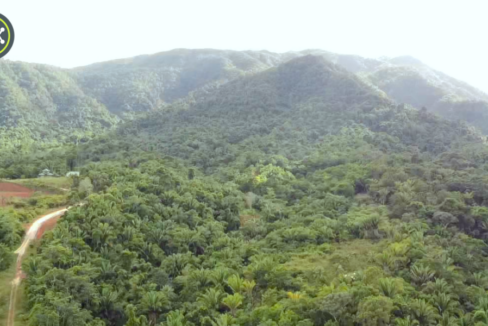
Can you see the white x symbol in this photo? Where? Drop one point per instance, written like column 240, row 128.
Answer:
column 1, row 31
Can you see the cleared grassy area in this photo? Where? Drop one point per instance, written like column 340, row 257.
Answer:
column 5, row 278
column 341, row 258
column 21, row 313
column 46, row 184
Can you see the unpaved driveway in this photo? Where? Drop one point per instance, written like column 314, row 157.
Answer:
column 30, row 235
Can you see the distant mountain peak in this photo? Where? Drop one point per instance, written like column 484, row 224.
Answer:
column 406, row 60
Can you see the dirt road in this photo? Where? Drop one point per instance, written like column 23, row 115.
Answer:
column 31, row 235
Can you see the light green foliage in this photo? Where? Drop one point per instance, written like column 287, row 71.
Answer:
column 368, row 222
column 211, row 299
column 85, row 186
column 375, row 311
column 153, row 303
column 175, row 318
column 233, row 302
column 133, row 319
column 236, row 283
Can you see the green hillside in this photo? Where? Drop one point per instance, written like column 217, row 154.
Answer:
column 145, row 83
column 295, row 196
column 406, row 80
column 45, row 104
column 307, row 94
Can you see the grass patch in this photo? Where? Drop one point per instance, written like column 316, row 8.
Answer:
column 50, row 194
column 21, row 313
column 6, row 278
column 26, row 210
column 52, row 184
column 341, row 258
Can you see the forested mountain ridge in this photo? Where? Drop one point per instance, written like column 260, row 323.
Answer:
column 44, row 104
column 307, row 91
column 407, row 80
column 174, row 74
column 89, row 100
column 146, row 82
column 452, row 88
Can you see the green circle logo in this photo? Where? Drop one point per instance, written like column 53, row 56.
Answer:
column 6, row 35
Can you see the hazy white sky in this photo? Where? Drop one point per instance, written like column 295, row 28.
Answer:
column 451, row 36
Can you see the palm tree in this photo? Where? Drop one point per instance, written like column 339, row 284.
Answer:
column 102, row 233
column 223, row 320
column 128, row 232
column 107, row 270
column 108, row 299
column 423, row 312
column 233, row 302
column 386, row 260
column 153, row 303
column 211, row 298
column 481, row 312
column 132, row 319
column 439, row 286
column 388, row 287
column 248, row 287
column 444, row 303
column 235, row 283
column 480, row 280
column 175, row 264
column 447, row 320
column 201, row 277
column 465, row 320
column 219, row 275
column 175, row 318
column 406, row 322
column 421, row 274
column 33, row 265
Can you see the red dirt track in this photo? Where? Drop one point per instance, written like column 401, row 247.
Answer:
column 46, row 226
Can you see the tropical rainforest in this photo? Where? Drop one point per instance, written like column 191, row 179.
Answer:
column 226, row 188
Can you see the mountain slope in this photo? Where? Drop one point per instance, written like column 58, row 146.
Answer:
column 146, row 82
column 42, row 103
column 88, row 101
column 407, row 80
column 308, row 95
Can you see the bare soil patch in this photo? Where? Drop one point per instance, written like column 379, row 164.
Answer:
column 10, row 190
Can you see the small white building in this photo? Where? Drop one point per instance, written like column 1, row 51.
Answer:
column 45, row 173
column 73, row 174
